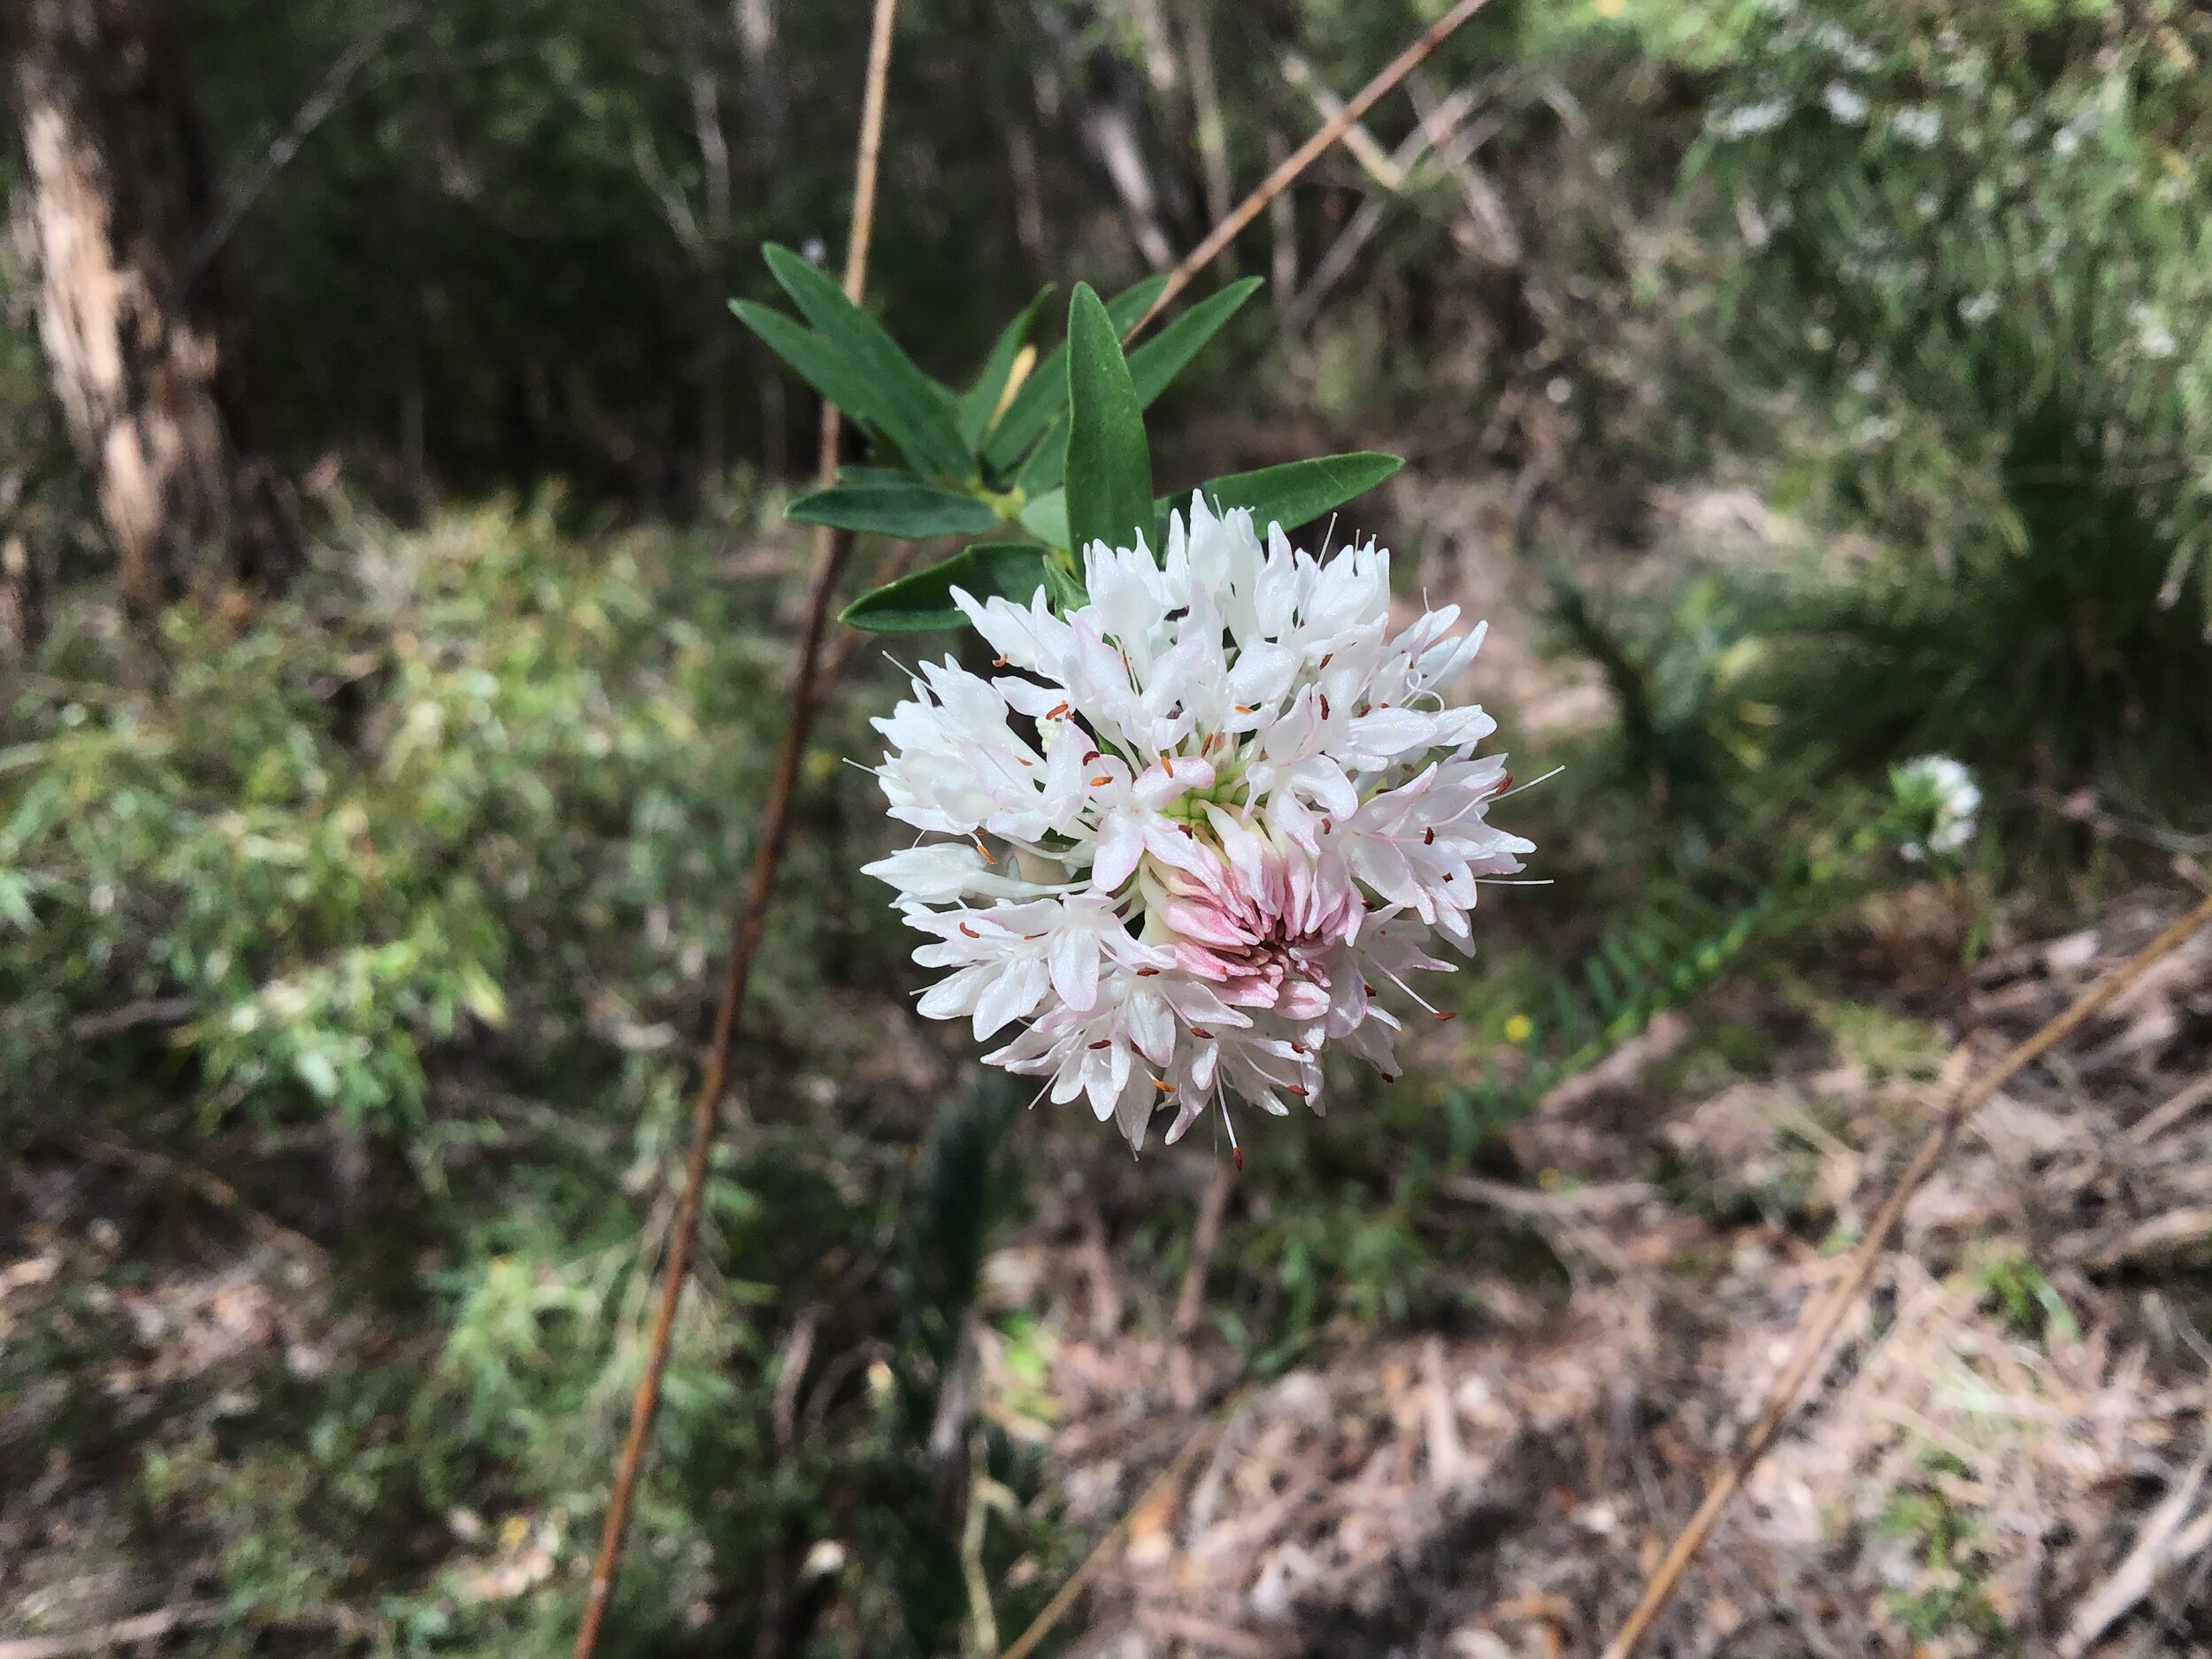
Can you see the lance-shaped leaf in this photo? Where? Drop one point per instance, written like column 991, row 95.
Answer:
column 1048, row 463
column 1109, row 464
column 980, row 401
column 1153, row 367
column 1296, row 493
column 918, row 412
column 1047, row 518
column 894, row 504
column 1044, row 393
column 1063, row 588
column 923, row 600
column 824, row 368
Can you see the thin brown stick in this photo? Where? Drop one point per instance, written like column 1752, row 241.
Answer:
column 847, row 639
column 124, row 1632
column 1276, row 182
column 1190, row 1302
column 1057, row 1609
column 830, row 549
column 1812, row 1342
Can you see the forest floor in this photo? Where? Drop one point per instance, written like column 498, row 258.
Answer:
column 2009, row 1446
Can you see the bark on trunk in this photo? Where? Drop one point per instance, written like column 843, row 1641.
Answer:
column 145, row 360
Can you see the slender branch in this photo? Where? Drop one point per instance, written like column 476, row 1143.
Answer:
column 1213, row 131
column 1812, row 1343
column 1366, row 148
column 830, row 549
column 1276, row 182
column 286, row 143
column 1441, row 133
column 848, row 641
column 1190, row 1302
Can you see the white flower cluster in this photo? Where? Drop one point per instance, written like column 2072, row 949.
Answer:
column 1197, row 826
column 1945, row 791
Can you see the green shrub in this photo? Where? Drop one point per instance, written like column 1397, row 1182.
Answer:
column 433, row 859
column 1976, row 237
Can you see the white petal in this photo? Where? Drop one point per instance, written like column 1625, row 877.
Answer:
column 954, row 995
column 1013, row 993
column 1120, row 844
column 1075, row 967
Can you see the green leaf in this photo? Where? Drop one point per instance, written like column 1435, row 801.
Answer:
column 1152, row 367
column 1044, row 393
column 980, row 401
column 1155, row 363
column 1047, row 518
column 1047, row 468
column 1298, row 492
column 915, row 410
column 316, row 1070
column 894, row 504
column 1109, row 466
column 923, row 600
column 15, row 901
column 481, row 994
column 1063, row 587
column 818, row 362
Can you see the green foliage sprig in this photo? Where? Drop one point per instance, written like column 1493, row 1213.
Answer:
column 1041, row 456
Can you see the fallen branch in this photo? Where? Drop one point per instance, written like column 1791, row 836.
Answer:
column 123, row 1633
column 2164, row 1542
column 1441, row 135
column 1578, row 1204
column 156, row 1010
column 213, row 1188
column 1813, row 1340
column 2160, row 1119
column 1381, row 166
column 2175, row 1231
column 310, row 115
column 830, row 549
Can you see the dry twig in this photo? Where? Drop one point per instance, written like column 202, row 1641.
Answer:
column 830, row 548
column 1821, row 1325
column 2163, row 1542
column 213, row 1188
column 1287, row 174
column 1190, row 1301
column 2160, row 1119
column 147, row 1627
column 1440, row 136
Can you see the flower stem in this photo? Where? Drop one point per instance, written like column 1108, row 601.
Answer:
column 830, row 549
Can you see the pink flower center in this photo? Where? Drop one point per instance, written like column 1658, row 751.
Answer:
column 1265, row 942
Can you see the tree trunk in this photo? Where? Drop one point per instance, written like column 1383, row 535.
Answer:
column 144, row 358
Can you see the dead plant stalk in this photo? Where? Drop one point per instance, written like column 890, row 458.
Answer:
column 1287, row 174
column 830, row 550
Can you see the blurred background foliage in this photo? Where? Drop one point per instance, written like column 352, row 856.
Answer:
column 376, row 924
